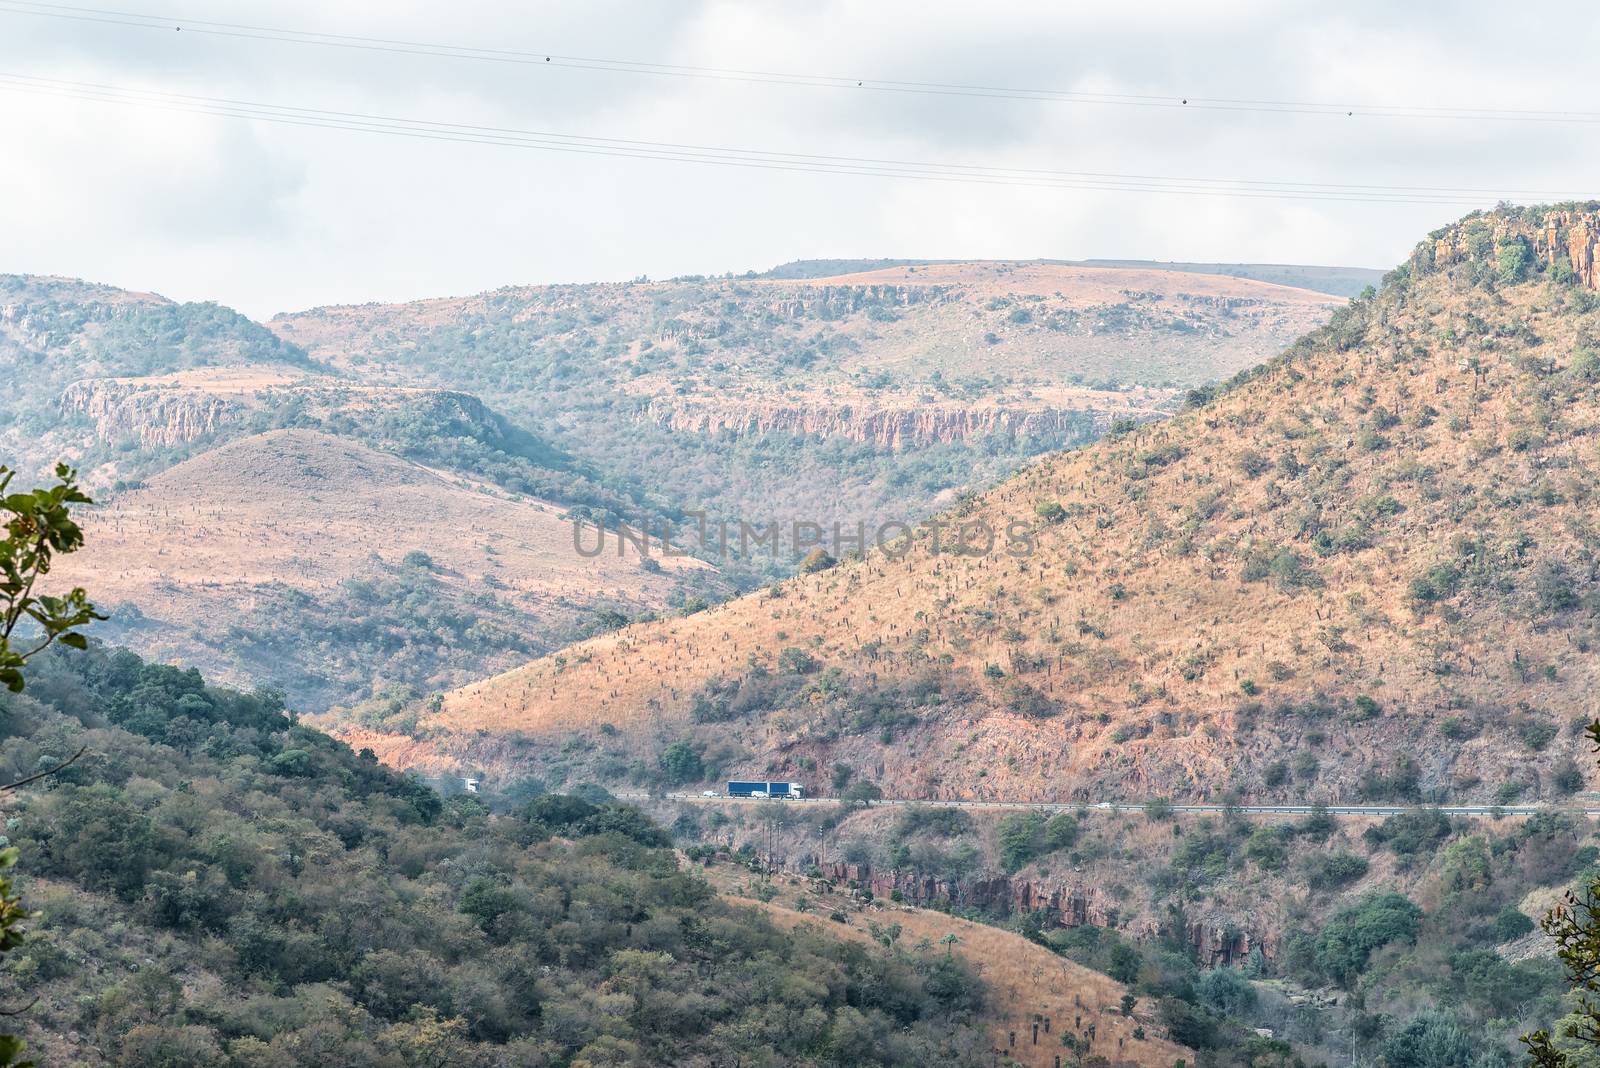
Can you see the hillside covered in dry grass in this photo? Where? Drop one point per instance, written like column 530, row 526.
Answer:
column 1364, row 570
column 315, row 564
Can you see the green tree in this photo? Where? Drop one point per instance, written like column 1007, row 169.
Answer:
column 1513, row 260
column 816, row 560
column 861, row 792
column 1226, row 992
column 842, row 774
column 1345, row 943
column 1436, row 1040
column 1158, row 808
column 38, row 525
column 1019, row 836
column 12, row 915
column 1061, row 832
column 680, row 763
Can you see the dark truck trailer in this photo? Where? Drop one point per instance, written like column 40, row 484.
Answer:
column 739, row 788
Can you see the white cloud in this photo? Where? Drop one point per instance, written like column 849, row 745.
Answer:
column 269, row 218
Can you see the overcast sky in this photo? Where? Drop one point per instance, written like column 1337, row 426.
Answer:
column 269, row 218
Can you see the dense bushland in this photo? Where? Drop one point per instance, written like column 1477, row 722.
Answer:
column 222, row 885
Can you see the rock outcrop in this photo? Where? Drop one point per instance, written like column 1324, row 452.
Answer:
column 1563, row 239
column 1064, row 904
column 892, row 427
column 837, row 301
column 155, row 416
column 166, row 412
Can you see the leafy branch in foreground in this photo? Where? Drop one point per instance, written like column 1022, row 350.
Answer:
column 12, row 914
column 38, row 525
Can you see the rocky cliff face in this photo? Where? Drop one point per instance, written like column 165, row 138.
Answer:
column 1561, row 239
column 1064, row 904
column 155, row 416
column 832, row 302
column 892, row 428
column 158, row 412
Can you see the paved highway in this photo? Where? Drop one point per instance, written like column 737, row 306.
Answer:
column 1591, row 809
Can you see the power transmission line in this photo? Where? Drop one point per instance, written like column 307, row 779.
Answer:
column 816, row 81
column 753, row 158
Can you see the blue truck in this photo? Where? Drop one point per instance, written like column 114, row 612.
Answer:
column 740, row 788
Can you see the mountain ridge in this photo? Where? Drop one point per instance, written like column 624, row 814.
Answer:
column 1337, row 281
column 1273, row 566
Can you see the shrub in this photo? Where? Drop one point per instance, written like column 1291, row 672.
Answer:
column 1344, row 945
column 1401, row 781
column 1585, row 366
column 1252, row 464
column 1439, row 583
column 1226, row 992
column 816, row 560
column 1331, row 871
column 1512, row 261
column 1436, row 1039
column 680, row 763
column 797, row 661
column 1567, row 778
column 1536, row 735
column 1029, row 701
column 939, row 822
column 1050, row 511
column 1553, row 587
column 1290, row 571
column 1020, row 837
column 1265, row 847
column 1411, row 832
column 1511, row 923
column 1061, row 832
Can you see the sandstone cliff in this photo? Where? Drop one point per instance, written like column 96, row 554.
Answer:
column 178, row 409
column 171, row 416
column 896, row 427
column 836, row 301
column 1563, row 239
column 1064, row 903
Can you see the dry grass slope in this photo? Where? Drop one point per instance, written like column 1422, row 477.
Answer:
column 297, row 510
column 1036, row 997
column 1381, row 546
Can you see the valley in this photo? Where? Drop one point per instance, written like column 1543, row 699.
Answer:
column 1311, row 656
column 460, row 609
column 1171, row 658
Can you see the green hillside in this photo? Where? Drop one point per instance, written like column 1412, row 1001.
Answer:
column 222, row 887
